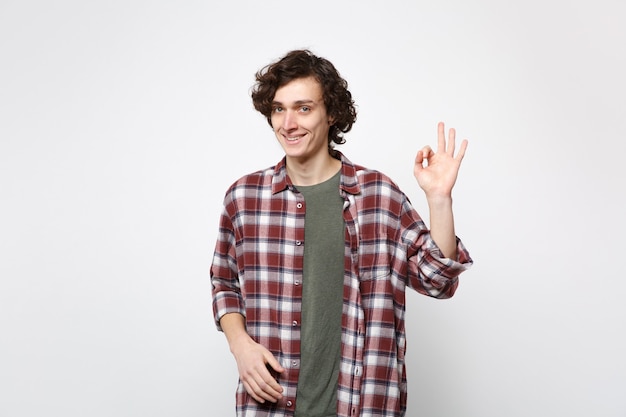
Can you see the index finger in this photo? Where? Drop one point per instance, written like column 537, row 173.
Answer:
column 263, row 386
column 269, row 375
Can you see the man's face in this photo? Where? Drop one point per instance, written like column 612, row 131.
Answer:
column 300, row 121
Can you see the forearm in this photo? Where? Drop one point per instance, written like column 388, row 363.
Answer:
column 442, row 225
column 234, row 327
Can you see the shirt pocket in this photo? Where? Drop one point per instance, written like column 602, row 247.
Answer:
column 374, row 255
column 377, row 296
column 375, row 277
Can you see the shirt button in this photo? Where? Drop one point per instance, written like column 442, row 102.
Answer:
column 299, row 205
column 298, row 243
column 289, row 403
column 297, row 283
column 294, row 323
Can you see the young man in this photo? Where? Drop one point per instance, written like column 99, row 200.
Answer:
column 314, row 254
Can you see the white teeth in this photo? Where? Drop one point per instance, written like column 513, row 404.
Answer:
column 294, row 138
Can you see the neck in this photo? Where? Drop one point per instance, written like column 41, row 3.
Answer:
column 312, row 172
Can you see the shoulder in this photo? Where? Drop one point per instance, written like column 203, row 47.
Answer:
column 254, row 179
column 357, row 177
column 369, row 178
column 249, row 186
column 377, row 192
column 380, row 200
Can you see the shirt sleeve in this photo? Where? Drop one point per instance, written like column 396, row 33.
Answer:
column 430, row 273
column 226, row 288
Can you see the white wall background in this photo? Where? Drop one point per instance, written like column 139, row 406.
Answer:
column 123, row 122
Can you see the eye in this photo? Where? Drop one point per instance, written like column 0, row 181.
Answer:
column 277, row 109
column 305, row 109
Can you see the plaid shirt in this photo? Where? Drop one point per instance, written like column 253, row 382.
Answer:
column 257, row 272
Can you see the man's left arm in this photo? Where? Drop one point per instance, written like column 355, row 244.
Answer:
column 436, row 173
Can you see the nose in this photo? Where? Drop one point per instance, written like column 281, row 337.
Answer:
column 289, row 121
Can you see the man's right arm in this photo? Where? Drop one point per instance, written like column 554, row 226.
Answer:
column 252, row 360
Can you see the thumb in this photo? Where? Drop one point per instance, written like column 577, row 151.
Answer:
column 419, row 157
column 423, row 154
column 271, row 361
column 419, row 163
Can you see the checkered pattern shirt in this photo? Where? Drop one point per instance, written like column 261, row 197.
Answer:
column 257, row 272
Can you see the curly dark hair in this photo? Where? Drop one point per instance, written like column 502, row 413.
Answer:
column 301, row 64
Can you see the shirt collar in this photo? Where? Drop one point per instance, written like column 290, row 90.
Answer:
column 349, row 180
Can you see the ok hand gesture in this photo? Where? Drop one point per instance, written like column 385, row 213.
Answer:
column 438, row 176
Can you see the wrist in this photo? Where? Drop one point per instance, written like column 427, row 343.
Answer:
column 236, row 341
column 439, row 201
column 234, row 327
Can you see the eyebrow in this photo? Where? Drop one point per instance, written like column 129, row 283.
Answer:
column 297, row 103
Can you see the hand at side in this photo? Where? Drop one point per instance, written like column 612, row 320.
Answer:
column 252, row 360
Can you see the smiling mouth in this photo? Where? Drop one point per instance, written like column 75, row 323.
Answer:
column 293, row 138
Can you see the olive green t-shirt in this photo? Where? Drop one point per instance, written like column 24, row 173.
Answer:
column 322, row 299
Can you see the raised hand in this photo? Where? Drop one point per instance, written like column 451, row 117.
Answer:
column 438, row 176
